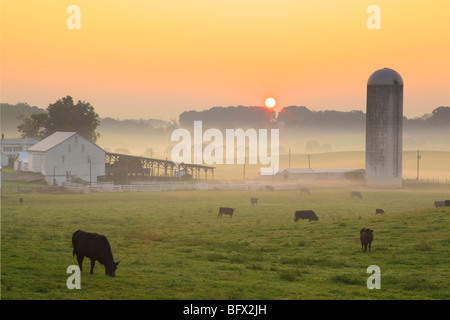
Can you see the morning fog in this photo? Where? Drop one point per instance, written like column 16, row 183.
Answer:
column 188, row 151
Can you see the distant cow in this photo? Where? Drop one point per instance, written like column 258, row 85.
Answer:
column 379, row 211
column 306, row 214
column 447, row 203
column 228, row 211
column 305, row 190
column 438, row 204
column 95, row 247
column 356, row 194
column 254, row 201
column 20, row 200
column 366, row 237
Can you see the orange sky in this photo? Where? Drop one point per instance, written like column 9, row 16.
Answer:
column 156, row 59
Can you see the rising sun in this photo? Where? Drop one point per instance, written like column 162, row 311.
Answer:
column 270, row 102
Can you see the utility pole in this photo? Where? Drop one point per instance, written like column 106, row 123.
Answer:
column 418, row 158
column 90, row 172
column 309, row 161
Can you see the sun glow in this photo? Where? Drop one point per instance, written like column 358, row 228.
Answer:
column 270, row 102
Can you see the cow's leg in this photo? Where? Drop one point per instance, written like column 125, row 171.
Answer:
column 92, row 265
column 80, row 261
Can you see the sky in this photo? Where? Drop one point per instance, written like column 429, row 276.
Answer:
column 156, row 59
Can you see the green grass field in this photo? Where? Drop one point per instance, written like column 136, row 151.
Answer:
column 172, row 245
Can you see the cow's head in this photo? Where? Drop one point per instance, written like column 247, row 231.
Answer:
column 111, row 268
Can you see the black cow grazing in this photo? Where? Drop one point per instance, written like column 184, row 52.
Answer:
column 306, row 214
column 305, row 190
column 223, row 210
column 379, row 211
column 366, row 237
column 20, row 200
column 254, row 201
column 438, row 204
column 356, row 194
column 447, row 203
column 95, row 247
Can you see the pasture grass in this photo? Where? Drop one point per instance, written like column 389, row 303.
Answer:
column 172, row 245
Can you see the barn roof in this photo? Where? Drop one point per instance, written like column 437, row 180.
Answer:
column 51, row 141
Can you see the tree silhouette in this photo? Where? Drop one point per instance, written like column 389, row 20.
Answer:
column 63, row 115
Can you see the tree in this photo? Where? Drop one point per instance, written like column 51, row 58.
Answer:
column 32, row 127
column 63, row 115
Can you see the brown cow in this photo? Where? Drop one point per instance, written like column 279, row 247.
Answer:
column 305, row 214
column 366, row 237
column 254, row 201
column 356, row 194
column 228, row 211
column 379, row 211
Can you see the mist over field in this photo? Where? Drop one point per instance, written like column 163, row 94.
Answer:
column 333, row 139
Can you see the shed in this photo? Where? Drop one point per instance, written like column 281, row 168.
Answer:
column 21, row 161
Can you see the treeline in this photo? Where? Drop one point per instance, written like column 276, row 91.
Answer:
column 292, row 117
column 229, row 117
column 13, row 116
column 301, row 117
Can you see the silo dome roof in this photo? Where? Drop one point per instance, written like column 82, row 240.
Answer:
column 385, row 76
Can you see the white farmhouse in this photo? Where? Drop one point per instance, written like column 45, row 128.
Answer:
column 65, row 155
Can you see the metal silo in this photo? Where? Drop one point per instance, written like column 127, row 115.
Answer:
column 384, row 117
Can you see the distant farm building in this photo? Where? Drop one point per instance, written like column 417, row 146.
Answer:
column 124, row 169
column 11, row 147
column 21, row 161
column 66, row 155
column 320, row 174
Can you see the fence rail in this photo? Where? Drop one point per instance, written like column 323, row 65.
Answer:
column 158, row 186
column 179, row 186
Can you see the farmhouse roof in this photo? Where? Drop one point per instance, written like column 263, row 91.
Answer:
column 20, row 141
column 51, row 141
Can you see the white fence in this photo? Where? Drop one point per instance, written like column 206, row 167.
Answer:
column 174, row 186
